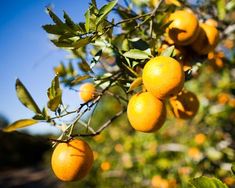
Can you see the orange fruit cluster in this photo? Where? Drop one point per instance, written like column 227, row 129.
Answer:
column 185, row 30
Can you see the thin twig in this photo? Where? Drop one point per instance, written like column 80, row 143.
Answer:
column 105, row 125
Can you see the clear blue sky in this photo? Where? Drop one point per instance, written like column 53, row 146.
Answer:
column 27, row 53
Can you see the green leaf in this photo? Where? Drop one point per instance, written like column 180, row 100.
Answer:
column 55, row 18
column 168, row 52
column 70, row 69
column 221, row 9
column 84, row 66
column 87, row 23
column 80, row 78
column 233, row 168
column 69, row 22
column 206, row 182
column 39, row 117
column 139, row 44
column 54, row 103
column 25, row 97
column 62, row 44
column 53, row 29
column 81, row 42
column 54, row 94
column 230, row 5
column 105, row 10
column 94, row 3
column 20, row 124
column 136, row 83
column 136, row 54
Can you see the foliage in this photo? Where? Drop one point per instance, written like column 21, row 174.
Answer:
column 111, row 53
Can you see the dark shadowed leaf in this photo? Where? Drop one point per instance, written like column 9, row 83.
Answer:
column 53, row 29
column 69, row 22
column 94, row 3
column 139, row 44
column 25, row 97
column 20, row 124
column 55, row 18
column 206, row 182
column 39, row 117
column 62, row 44
column 105, row 10
column 84, row 66
column 136, row 54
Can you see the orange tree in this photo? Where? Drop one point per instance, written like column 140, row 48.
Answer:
column 170, row 65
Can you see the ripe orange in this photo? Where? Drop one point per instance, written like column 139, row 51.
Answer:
column 211, row 22
column 145, row 112
column 87, row 91
column 163, row 76
column 207, row 39
column 72, row 161
column 185, row 105
column 183, row 29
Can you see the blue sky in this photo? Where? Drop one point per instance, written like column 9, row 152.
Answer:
column 27, row 54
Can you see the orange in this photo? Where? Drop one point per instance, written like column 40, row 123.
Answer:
column 211, row 22
column 60, row 70
column 163, row 76
column 87, row 92
column 207, row 39
column 158, row 182
column 200, row 138
column 194, row 153
column 145, row 112
column 105, row 165
column 185, row 105
column 154, row 3
column 216, row 59
column 183, row 28
column 72, row 161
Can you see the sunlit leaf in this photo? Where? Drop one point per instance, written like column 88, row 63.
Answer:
column 54, row 103
column 54, row 94
column 25, row 97
column 87, row 23
column 174, row 2
column 80, row 78
column 81, row 42
column 206, row 182
column 233, row 168
column 105, row 10
column 168, row 52
column 20, row 124
column 136, row 54
column 136, row 83
column 221, row 9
